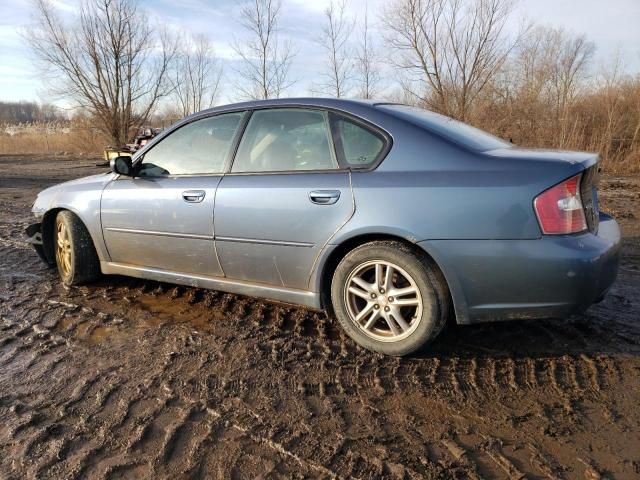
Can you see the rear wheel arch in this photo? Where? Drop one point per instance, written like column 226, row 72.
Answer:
column 334, row 258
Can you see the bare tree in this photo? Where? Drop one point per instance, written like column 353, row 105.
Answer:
column 570, row 62
column 533, row 64
column 549, row 71
column 266, row 60
column 110, row 62
column 367, row 71
column 334, row 39
column 196, row 78
column 609, row 80
column 450, row 48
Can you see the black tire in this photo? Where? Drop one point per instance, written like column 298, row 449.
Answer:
column 83, row 265
column 424, row 274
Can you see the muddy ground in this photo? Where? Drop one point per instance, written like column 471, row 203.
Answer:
column 130, row 378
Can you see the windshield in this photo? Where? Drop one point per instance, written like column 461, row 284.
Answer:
column 451, row 129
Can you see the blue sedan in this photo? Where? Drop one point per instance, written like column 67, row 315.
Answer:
column 391, row 218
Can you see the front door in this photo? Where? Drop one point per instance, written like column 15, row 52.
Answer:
column 163, row 218
column 283, row 200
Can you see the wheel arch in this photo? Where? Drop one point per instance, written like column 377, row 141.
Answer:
column 333, row 258
column 48, row 227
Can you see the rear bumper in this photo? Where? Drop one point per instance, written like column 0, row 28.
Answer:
column 550, row 277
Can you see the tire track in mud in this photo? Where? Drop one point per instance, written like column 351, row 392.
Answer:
column 86, row 457
column 472, row 375
column 459, row 376
column 309, row 330
column 476, row 377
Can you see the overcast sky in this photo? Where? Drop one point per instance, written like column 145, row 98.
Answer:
column 613, row 25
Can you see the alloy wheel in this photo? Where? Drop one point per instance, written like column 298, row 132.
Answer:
column 383, row 300
column 63, row 248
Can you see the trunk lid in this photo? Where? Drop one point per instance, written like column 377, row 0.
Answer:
column 585, row 159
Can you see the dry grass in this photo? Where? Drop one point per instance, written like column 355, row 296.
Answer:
column 51, row 138
column 604, row 119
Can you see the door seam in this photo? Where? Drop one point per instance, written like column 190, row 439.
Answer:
column 104, row 240
column 213, row 225
column 324, row 246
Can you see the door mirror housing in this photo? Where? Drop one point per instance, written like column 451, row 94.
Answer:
column 122, row 165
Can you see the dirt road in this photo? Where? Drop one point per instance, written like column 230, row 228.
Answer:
column 130, row 378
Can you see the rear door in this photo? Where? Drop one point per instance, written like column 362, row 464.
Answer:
column 163, row 218
column 283, row 200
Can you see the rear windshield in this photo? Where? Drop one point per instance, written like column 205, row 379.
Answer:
column 451, row 129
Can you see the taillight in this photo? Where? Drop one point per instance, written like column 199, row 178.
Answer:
column 559, row 209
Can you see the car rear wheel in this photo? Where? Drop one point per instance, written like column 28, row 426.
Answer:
column 76, row 256
column 388, row 298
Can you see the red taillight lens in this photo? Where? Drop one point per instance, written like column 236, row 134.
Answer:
column 559, row 209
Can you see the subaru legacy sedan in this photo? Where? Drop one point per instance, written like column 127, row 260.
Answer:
column 389, row 217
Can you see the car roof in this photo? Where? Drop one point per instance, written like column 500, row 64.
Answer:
column 337, row 103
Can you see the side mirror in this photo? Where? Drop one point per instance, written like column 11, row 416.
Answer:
column 122, row 165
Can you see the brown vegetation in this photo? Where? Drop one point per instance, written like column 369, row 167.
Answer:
column 537, row 88
column 54, row 138
column 604, row 119
column 546, row 96
column 195, row 77
column 266, row 59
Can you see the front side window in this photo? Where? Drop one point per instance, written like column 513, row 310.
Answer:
column 286, row 139
column 200, row 147
column 361, row 147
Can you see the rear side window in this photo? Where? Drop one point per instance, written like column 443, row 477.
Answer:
column 286, row 139
column 200, row 147
column 361, row 146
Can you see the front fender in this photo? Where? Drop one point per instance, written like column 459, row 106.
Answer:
column 82, row 197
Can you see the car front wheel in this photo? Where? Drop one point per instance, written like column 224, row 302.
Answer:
column 388, row 298
column 76, row 256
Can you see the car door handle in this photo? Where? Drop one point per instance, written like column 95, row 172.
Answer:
column 324, row 197
column 193, row 196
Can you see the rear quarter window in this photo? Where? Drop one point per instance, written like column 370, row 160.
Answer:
column 361, row 146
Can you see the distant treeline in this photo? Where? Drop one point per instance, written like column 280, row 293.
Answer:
column 28, row 112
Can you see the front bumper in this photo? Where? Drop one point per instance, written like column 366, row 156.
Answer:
column 550, row 277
